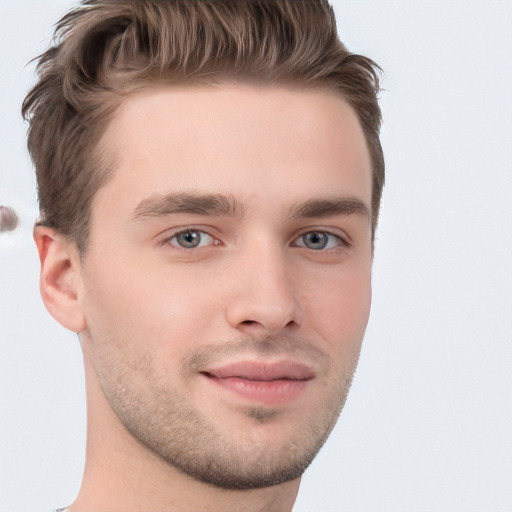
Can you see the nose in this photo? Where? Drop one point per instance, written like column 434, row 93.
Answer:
column 263, row 300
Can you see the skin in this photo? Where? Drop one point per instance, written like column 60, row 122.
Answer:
column 155, row 315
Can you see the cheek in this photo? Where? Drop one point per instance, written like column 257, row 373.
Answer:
column 144, row 309
column 340, row 311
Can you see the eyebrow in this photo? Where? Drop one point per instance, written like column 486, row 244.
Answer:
column 159, row 205
column 220, row 205
column 326, row 207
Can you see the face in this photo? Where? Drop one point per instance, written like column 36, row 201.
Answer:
column 227, row 277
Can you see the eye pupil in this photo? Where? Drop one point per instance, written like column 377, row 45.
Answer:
column 189, row 239
column 315, row 240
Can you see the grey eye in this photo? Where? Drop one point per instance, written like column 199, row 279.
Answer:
column 315, row 240
column 190, row 239
column 318, row 240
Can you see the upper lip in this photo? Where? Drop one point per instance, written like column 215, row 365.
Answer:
column 262, row 371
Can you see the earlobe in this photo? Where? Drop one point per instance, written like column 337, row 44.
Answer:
column 60, row 279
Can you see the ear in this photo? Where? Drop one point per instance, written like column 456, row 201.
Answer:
column 60, row 280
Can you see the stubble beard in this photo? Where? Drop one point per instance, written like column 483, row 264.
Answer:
column 165, row 422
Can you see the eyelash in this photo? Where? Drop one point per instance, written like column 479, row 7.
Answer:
column 341, row 242
column 168, row 240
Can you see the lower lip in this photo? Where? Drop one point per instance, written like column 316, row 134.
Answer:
column 273, row 392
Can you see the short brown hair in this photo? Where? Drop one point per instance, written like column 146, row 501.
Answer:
column 106, row 49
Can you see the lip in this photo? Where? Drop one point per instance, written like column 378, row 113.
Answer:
column 265, row 383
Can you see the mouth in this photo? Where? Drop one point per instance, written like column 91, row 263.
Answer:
column 262, row 383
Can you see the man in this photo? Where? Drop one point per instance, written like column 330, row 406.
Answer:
column 209, row 178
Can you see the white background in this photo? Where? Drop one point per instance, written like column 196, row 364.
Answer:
column 428, row 425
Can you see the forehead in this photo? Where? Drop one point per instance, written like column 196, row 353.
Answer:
column 241, row 139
